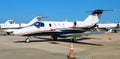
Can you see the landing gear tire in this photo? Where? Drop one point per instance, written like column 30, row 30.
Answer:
column 27, row 40
column 115, row 31
column 74, row 39
column 54, row 38
column 8, row 33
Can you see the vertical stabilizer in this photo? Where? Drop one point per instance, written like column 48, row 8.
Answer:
column 9, row 22
column 94, row 16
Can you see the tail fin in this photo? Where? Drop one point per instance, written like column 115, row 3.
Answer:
column 9, row 22
column 93, row 18
column 37, row 18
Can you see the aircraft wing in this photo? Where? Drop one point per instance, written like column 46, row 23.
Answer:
column 81, row 34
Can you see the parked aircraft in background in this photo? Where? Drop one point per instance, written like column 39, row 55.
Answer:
column 110, row 27
column 8, row 22
column 61, row 29
column 9, row 27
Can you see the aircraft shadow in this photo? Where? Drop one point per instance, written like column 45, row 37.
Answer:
column 79, row 41
column 62, row 40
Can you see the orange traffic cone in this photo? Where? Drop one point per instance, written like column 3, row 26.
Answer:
column 110, row 37
column 71, row 53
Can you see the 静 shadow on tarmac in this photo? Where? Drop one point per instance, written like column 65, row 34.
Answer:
column 41, row 39
column 79, row 41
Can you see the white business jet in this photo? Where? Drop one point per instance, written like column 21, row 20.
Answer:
column 9, row 26
column 61, row 29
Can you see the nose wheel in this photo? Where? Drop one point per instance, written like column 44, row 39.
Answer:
column 27, row 40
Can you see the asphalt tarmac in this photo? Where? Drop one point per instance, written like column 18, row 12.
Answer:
column 42, row 47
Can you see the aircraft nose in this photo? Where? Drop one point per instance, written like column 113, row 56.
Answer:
column 16, row 33
column 24, row 31
column 19, row 32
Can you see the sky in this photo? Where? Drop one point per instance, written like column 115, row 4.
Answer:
column 22, row 11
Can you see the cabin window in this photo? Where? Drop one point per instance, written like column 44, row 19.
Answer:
column 54, row 25
column 63, row 25
column 58, row 24
column 50, row 25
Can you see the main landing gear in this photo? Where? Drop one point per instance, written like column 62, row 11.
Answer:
column 55, row 38
column 73, row 39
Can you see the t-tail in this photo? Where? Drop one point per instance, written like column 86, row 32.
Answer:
column 94, row 17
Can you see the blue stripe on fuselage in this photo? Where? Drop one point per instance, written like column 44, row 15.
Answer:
column 57, row 33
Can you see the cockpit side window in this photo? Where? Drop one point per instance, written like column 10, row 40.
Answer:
column 42, row 25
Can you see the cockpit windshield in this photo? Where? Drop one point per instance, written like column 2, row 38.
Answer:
column 38, row 24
